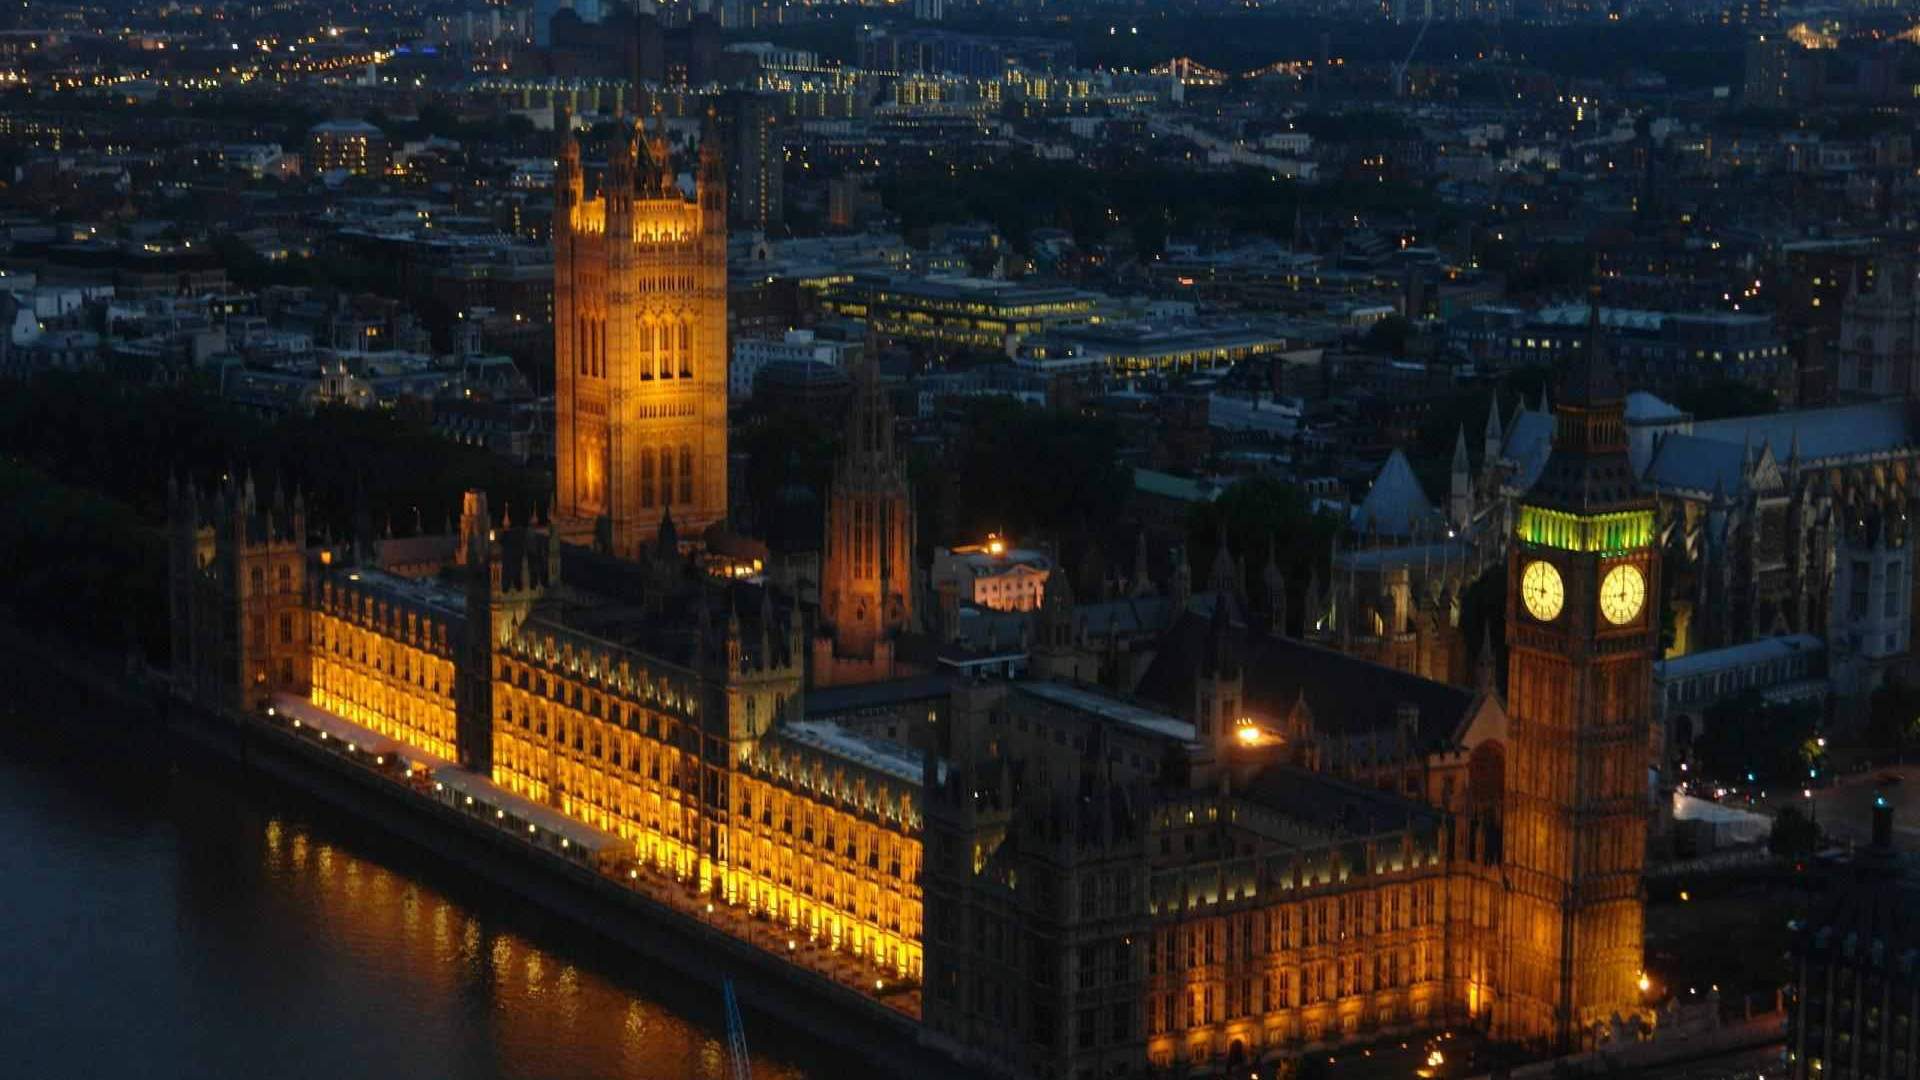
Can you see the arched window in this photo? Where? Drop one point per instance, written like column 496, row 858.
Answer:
column 686, row 473
column 646, row 478
column 580, row 342
column 666, row 475
column 686, row 351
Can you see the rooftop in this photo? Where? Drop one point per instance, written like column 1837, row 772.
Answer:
column 424, row 593
column 1841, row 432
column 846, row 699
column 1336, row 805
column 1733, row 656
column 1395, row 505
column 1138, row 717
column 877, row 754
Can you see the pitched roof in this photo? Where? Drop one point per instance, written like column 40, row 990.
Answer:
column 1691, row 463
column 1845, row 431
column 1347, row 695
column 1337, row 805
column 1395, row 503
column 1128, row 615
column 1529, row 440
column 1644, row 406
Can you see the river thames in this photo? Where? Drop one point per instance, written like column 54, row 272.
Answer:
column 165, row 917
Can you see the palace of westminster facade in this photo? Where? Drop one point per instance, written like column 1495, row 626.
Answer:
column 1079, row 885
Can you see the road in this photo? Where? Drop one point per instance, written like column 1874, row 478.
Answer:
column 1756, row 1064
column 1845, row 808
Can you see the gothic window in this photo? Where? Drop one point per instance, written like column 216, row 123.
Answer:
column 256, row 582
column 646, row 477
column 686, row 352
column 580, row 343
column 686, row 472
column 666, row 475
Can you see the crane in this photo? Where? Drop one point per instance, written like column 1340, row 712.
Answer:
column 1400, row 69
column 737, row 1066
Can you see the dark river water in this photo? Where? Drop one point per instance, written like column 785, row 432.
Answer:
column 168, row 916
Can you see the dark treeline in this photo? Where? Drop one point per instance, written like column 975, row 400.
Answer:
column 126, row 440
column 88, row 458
column 81, row 565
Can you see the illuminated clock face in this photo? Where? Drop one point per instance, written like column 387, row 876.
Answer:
column 1622, row 593
column 1542, row 590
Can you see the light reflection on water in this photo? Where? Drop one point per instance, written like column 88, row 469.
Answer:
column 174, row 921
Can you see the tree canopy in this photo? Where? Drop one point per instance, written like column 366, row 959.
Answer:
column 1258, row 516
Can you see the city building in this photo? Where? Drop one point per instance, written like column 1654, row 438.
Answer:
column 1581, row 641
column 867, row 571
column 1295, row 851
column 350, row 146
column 1656, row 351
column 647, row 700
column 758, row 164
column 958, row 314
column 1777, row 670
column 1879, row 324
column 1131, row 348
column 1850, row 1005
column 640, row 347
column 992, row 574
column 1793, row 522
column 752, row 354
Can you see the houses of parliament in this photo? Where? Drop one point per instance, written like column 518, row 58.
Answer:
column 1273, row 850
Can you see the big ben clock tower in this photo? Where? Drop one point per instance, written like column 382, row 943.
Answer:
column 1582, row 630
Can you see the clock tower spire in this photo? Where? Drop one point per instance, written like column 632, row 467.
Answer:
column 1581, row 640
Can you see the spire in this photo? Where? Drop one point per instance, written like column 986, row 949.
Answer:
column 1180, row 588
column 1275, row 584
column 703, row 632
column 1546, row 408
column 733, row 636
column 667, row 544
column 1142, row 579
column 1483, row 665
column 1589, row 379
column 473, row 529
column 661, row 154
column 766, row 627
column 1493, row 440
column 711, row 181
column 1460, row 483
column 1220, row 577
column 1221, row 658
